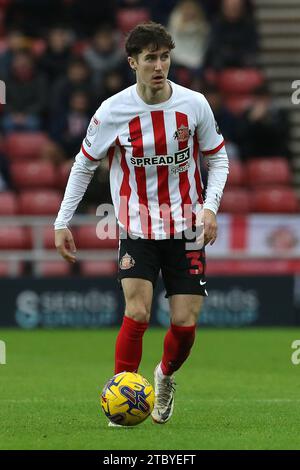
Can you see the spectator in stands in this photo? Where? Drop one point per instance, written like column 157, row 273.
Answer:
column 55, row 59
column 15, row 42
column 189, row 29
column 263, row 129
column 26, row 93
column 233, row 39
column 68, row 129
column 104, row 54
column 78, row 78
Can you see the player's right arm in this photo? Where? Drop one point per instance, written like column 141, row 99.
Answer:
column 100, row 136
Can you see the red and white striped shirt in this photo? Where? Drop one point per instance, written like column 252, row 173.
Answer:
column 154, row 160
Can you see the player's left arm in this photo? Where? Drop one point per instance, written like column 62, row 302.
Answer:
column 212, row 146
column 217, row 176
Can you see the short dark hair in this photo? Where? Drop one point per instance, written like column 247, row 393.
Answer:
column 145, row 35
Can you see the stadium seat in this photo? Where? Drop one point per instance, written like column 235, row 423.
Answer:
column 25, row 145
column 275, row 200
column 14, row 238
column 7, row 269
column 40, row 202
column 240, row 81
column 8, row 203
column 236, row 175
column 36, row 174
column 98, row 268
column 235, row 201
column 48, row 236
column 54, row 268
column 266, row 171
column 128, row 18
column 87, row 239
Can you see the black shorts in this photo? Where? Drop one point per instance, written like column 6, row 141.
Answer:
column 183, row 270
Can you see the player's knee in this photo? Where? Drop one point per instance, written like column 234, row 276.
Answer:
column 189, row 318
column 138, row 311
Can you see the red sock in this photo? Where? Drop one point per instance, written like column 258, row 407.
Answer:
column 177, row 346
column 129, row 345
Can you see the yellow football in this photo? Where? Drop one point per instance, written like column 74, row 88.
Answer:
column 127, row 399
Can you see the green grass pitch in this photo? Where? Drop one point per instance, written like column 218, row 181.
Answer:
column 238, row 390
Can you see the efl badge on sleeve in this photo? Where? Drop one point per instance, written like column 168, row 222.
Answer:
column 93, row 126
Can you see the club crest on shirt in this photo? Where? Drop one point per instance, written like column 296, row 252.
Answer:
column 93, row 126
column 182, row 133
column 127, row 262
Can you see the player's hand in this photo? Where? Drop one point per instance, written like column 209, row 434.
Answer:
column 210, row 227
column 65, row 245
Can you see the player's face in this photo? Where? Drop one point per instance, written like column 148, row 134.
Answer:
column 152, row 67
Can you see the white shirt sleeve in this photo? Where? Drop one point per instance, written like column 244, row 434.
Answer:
column 78, row 182
column 101, row 135
column 218, row 169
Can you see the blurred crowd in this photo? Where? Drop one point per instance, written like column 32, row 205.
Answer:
column 61, row 58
